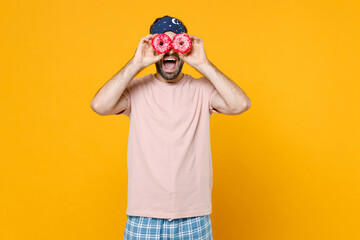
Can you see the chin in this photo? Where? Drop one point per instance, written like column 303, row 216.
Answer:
column 166, row 75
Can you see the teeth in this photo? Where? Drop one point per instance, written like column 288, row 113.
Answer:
column 174, row 59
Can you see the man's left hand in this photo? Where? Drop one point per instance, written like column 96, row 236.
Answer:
column 196, row 56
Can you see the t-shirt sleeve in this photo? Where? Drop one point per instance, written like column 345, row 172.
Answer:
column 210, row 92
column 127, row 93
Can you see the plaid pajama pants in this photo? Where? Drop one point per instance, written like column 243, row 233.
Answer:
column 145, row 228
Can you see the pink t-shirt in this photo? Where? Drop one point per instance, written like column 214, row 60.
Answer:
column 169, row 157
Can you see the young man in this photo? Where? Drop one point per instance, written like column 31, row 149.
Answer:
column 169, row 156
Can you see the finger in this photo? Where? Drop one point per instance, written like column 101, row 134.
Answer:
column 151, row 36
column 160, row 56
column 147, row 40
column 194, row 38
column 147, row 37
column 144, row 39
column 181, row 56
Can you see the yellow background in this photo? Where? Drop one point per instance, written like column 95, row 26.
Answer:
column 287, row 169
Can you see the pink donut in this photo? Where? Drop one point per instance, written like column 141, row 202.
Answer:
column 181, row 43
column 161, row 43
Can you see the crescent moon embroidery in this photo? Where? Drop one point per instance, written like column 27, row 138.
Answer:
column 174, row 21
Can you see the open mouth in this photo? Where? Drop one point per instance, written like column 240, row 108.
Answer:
column 169, row 64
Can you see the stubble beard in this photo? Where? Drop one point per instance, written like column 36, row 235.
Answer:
column 168, row 75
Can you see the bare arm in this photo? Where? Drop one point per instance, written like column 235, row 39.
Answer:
column 107, row 98
column 231, row 98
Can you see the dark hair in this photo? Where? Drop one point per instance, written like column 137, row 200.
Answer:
column 163, row 17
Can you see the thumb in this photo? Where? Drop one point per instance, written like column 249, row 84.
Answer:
column 181, row 56
column 160, row 56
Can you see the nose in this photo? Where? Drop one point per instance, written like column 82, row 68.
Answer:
column 171, row 51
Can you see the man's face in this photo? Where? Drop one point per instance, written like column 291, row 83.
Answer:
column 170, row 74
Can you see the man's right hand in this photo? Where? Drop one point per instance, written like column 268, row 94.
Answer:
column 145, row 55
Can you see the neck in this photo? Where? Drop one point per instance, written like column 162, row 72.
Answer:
column 160, row 78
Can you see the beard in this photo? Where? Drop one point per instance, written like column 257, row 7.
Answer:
column 169, row 75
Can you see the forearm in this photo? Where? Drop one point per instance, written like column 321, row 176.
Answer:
column 108, row 95
column 232, row 94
